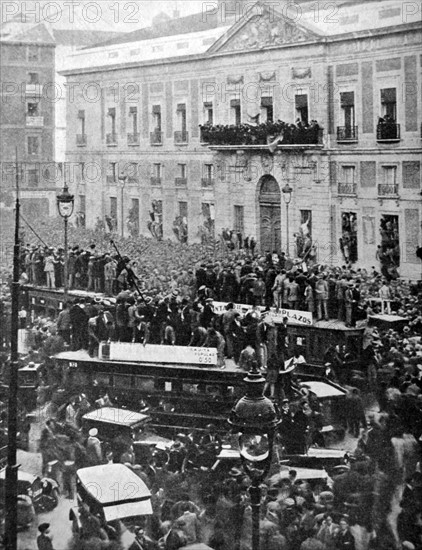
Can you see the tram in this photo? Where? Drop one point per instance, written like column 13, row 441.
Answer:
column 181, row 388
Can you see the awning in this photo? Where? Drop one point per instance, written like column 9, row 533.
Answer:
column 127, row 510
column 235, row 103
column 267, row 102
column 301, row 101
column 388, row 95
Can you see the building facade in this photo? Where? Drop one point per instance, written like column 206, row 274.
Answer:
column 27, row 121
column 346, row 86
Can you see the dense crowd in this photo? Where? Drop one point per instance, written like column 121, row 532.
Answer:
column 372, row 501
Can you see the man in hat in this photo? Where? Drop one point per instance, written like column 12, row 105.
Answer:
column 93, row 448
column 44, row 539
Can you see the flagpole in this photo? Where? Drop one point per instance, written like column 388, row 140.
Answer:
column 11, row 493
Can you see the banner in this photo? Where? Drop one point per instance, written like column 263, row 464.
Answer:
column 136, row 353
column 294, row 316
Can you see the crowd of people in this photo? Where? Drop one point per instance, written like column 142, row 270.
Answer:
column 163, row 293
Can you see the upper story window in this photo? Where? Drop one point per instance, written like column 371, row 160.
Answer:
column 301, row 107
column 347, row 105
column 33, row 54
column 267, row 109
column 33, row 78
column 389, row 175
column 81, row 119
column 389, row 104
column 33, row 145
column 208, row 113
column 182, row 168
column 236, row 112
column 33, row 109
column 156, row 115
column 133, row 115
column 181, row 116
column 348, row 174
column 157, row 170
column 112, row 119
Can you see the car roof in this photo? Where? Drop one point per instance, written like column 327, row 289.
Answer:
column 113, row 415
column 112, row 484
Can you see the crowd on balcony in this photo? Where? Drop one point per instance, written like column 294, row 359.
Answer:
column 262, row 134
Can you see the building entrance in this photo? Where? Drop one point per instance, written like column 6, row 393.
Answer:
column 270, row 214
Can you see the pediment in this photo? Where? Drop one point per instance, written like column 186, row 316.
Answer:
column 269, row 29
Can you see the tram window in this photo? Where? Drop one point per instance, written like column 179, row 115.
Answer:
column 103, row 379
column 300, row 341
column 190, row 388
column 121, row 381
column 167, row 386
column 213, row 391
column 145, row 384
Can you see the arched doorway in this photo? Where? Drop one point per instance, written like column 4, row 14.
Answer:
column 270, row 214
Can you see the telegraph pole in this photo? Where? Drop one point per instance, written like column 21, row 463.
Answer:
column 11, row 493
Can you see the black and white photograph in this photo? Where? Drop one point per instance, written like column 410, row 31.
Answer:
column 211, row 275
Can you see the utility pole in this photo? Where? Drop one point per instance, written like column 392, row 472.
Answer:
column 11, row 496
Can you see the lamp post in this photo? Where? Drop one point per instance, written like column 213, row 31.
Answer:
column 65, row 204
column 254, row 418
column 122, row 180
column 287, row 196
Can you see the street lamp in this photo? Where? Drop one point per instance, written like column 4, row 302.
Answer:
column 287, row 196
column 65, row 204
column 122, row 180
column 254, row 418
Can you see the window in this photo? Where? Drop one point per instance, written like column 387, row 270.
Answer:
column 113, row 210
column 156, row 115
column 347, row 104
column 181, row 122
column 132, row 172
column 235, row 112
column 208, row 113
column 348, row 174
column 301, row 107
column 349, row 240
column 267, row 109
column 389, row 252
column 81, row 118
column 304, row 236
column 208, row 216
column 33, row 177
column 81, row 214
column 112, row 172
column 33, row 54
column 239, row 220
column 209, row 171
column 33, row 109
column 112, row 118
column 157, row 170
column 183, row 210
column 389, row 104
column 133, row 114
column 182, row 171
column 33, row 145
column 33, row 78
column 389, row 175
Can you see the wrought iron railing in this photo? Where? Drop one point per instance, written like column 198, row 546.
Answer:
column 347, row 133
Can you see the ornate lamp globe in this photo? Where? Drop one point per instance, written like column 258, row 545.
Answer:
column 65, row 203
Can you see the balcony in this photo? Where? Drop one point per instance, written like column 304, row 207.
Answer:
column 156, row 137
column 34, row 121
column 388, row 132
column 267, row 134
column 111, row 139
column 133, row 139
column 81, row 140
column 347, row 189
column 388, row 190
column 347, row 133
column 181, row 182
column 155, row 180
column 33, row 90
column 207, row 182
column 181, row 137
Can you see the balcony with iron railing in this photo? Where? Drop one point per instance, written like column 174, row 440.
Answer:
column 388, row 132
column 156, row 137
column 81, row 140
column 155, row 180
column 388, row 190
column 181, row 137
column 270, row 134
column 111, row 139
column 133, row 139
column 207, row 182
column 180, row 182
column 347, row 189
column 347, row 133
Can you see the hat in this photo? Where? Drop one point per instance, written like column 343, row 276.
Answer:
column 97, row 300
column 43, row 527
column 148, row 300
column 203, row 287
column 209, row 300
column 289, row 502
column 93, row 432
column 235, row 472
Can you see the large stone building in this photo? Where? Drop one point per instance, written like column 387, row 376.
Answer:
column 136, row 153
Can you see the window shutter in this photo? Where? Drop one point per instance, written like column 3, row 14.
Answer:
column 347, row 98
